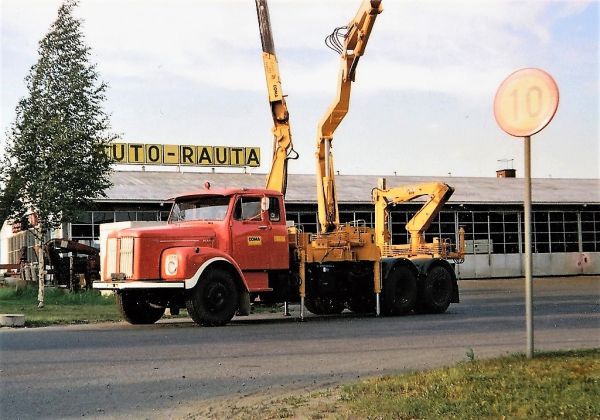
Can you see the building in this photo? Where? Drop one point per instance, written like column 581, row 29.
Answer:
column 566, row 216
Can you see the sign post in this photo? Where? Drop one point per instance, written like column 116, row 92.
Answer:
column 525, row 103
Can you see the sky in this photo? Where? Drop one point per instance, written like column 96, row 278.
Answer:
column 190, row 72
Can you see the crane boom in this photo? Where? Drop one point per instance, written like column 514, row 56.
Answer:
column 438, row 192
column 351, row 48
column 283, row 149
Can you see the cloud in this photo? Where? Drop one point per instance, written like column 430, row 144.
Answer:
column 446, row 47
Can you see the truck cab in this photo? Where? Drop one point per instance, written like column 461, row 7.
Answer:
column 234, row 239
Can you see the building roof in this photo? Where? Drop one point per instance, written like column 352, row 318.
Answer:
column 137, row 186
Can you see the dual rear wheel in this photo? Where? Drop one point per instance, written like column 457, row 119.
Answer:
column 402, row 293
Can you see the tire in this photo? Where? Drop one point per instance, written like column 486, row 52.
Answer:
column 435, row 293
column 136, row 309
column 361, row 304
column 214, row 300
column 324, row 306
column 399, row 291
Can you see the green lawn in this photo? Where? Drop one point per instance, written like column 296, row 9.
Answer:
column 60, row 307
column 552, row 385
column 560, row 385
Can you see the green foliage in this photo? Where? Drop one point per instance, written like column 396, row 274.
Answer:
column 55, row 157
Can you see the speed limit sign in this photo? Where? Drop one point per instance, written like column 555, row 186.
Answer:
column 526, row 102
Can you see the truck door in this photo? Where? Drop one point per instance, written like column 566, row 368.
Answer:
column 250, row 234
column 259, row 237
column 279, row 255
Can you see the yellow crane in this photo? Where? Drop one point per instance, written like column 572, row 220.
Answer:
column 439, row 193
column 337, row 265
column 340, row 254
column 350, row 42
column 283, row 148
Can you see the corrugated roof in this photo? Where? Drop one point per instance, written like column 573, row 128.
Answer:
column 158, row 186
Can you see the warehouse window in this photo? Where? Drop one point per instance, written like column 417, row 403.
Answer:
column 571, row 232
column 557, row 232
column 308, row 221
column 398, row 222
column 497, row 238
column 541, row 232
column 590, row 231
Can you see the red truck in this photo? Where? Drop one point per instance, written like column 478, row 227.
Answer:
column 235, row 240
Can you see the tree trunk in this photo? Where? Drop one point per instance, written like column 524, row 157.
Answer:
column 41, row 268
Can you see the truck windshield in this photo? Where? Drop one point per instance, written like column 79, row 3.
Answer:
column 202, row 208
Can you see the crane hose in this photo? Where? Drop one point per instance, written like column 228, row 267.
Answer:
column 335, row 40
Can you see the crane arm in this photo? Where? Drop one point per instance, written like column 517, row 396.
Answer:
column 283, row 149
column 351, row 46
column 438, row 193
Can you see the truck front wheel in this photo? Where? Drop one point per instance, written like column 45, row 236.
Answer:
column 214, row 300
column 399, row 291
column 435, row 292
column 136, row 309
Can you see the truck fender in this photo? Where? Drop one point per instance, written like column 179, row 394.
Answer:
column 387, row 264
column 211, row 262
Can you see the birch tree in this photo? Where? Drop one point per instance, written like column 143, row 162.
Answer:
column 56, row 145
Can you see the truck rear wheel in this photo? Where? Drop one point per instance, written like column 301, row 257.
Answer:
column 435, row 292
column 399, row 291
column 324, row 306
column 136, row 309
column 214, row 300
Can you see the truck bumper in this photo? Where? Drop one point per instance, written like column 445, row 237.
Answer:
column 124, row 285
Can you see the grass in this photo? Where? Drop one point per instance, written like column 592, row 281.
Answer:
column 60, row 307
column 558, row 385
column 552, row 385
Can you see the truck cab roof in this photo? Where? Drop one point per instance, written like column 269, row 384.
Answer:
column 205, row 192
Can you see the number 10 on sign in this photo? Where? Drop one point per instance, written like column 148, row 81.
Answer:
column 526, row 102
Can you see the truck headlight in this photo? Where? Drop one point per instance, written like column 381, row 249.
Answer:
column 171, row 264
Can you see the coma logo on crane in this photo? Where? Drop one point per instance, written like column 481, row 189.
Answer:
column 174, row 154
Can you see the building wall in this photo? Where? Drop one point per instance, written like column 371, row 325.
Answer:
column 566, row 238
column 544, row 264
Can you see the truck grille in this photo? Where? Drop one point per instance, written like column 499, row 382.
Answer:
column 126, row 257
column 111, row 257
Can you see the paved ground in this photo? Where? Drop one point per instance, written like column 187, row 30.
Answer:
column 173, row 369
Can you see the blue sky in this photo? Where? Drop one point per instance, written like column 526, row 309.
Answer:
column 190, row 72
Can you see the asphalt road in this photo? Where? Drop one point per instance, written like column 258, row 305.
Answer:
column 172, row 369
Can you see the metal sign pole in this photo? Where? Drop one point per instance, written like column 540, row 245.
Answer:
column 528, row 256
column 525, row 103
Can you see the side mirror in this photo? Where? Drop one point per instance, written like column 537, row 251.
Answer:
column 264, row 203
